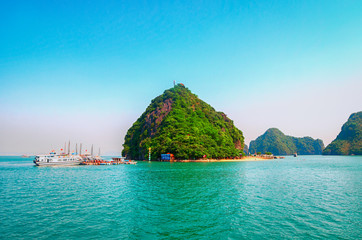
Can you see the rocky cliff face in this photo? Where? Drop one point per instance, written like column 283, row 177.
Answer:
column 274, row 141
column 349, row 140
column 178, row 122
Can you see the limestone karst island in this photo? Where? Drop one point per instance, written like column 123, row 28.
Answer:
column 349, row 140
column 179, row 123
column 277, row 143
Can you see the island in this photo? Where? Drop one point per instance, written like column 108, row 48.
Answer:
column 276, row 142
column 180, row 124
column 349, row 140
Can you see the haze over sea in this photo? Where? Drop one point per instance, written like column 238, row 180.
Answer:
column 293, row 198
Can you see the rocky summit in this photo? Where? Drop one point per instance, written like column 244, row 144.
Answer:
column 178, row 122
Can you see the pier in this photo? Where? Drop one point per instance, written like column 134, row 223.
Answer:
column 114, row 161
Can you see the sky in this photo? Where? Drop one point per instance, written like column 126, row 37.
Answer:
column 84, row 71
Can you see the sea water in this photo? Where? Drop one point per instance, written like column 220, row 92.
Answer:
column 307, row 197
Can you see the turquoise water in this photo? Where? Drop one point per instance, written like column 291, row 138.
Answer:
column 297, row 198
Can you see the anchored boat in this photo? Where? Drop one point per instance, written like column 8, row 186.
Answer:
column 63, row 159
column 57, row 160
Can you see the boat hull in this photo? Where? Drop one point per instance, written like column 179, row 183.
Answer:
column 40, row 164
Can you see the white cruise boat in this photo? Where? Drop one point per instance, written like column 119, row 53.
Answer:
column 57, row 160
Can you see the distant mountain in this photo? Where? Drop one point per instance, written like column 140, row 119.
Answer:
column 349, row 140
column 178, row 122
column 276, row 142
column 246, row 149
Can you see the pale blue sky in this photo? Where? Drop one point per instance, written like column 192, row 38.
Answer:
column 86, row 71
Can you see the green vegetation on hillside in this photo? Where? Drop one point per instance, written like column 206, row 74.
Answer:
column 179, row 122
column 349, row 140
column 276, row 142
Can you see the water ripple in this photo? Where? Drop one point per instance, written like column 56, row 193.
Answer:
column 319, row 197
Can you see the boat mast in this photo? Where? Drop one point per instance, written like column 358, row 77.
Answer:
column 69, row 147
column 92, row 151
column 65, row 146
column 76, row 148
column 80, row 149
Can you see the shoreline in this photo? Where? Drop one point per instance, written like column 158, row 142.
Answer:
column 243, row 159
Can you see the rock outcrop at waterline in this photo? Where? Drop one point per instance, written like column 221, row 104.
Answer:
column 276, row 142
column 349, row 140
column 178, row 122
